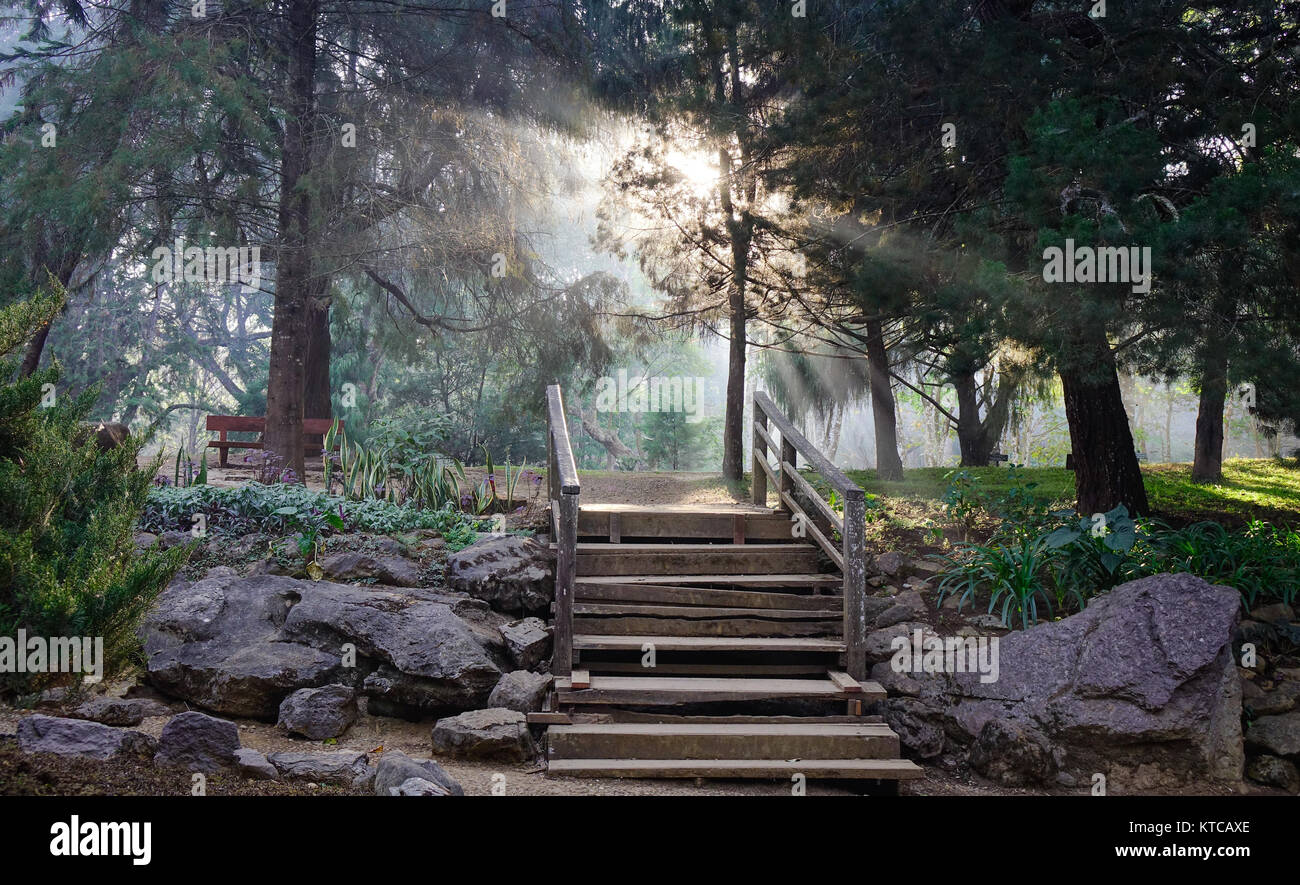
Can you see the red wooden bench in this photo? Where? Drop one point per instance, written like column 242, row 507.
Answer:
column 224, row 424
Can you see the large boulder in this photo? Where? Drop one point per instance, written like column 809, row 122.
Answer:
column 319, row 713
column 39, row 733
column 485, row 734
column 429, row 660
column 395, row 768
column 513, row 574
column 395, row 571
column 217, row 643
column 1141, row 686
column 241, row 645
column 198, row 742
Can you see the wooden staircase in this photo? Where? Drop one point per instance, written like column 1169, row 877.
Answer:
column 711, row 641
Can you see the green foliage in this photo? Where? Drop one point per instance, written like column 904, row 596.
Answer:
column 278, row 509
column 68, row 564
column 1085, row 556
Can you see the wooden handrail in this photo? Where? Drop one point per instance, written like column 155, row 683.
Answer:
column 792, row 489
column 562, row 481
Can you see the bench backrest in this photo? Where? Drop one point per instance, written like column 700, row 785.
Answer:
column 254, row 424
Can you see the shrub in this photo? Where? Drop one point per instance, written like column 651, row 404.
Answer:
column 68, row 563
column 278, row 509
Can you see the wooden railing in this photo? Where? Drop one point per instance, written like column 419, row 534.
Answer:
column 564, row 489
column 818, row 519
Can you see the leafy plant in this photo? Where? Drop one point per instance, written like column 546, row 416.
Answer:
column 1010, row 574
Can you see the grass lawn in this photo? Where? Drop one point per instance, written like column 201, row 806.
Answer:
column 1251, row 489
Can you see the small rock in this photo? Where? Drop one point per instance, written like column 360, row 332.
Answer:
column 79, row 737
column 986, row 621
column 894, row 683
column 527, row 641
column 1282, row 699
column 319, row 713
column 418, row 786
column 119, row 711
column 145, row 540
column 891, row 563
column 339, row 767
column 1279, row 735
column 1013, row 754
column 252, row 764
column 485, row 734
column 394, row 571
column 1274, row 772
column 1278, row 611
column 198, row 742
column 395, row 768
column 879, row 644
column 895, row 614
column 520, row 690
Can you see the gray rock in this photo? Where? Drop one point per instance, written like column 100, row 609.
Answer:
column 319, row 713
column 418, row 786
column 1013, row 754
column 144, row 540
column 1141, row 684
column 253, row 765
column 395, row 571
column 1277, row 611
column 521, row 691
column 217, row 644
column 513, row 574
column 527, row 641
column 1281, row 699
column 119, row 711
column 396, row 768
column 1279, row 735
column 485, row 734
column 338, row 767
column 891, row 563
column 895, row 614
column 894, row 683
column 1272, row 771
column 919, row 728
column 79, row 737
column 241, row 645
column 879, row 644
column 431, row 661
column 198, row 742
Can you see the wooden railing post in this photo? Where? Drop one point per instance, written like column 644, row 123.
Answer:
column 855, row 583
column 758, row 487
column 789, row 455
column 562, row 480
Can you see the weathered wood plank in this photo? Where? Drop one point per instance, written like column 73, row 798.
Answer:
column 838, row 769
column 641, row 626
column 652, row 690
column 844, row 681
column 790, row 580
column 697, row 612
column 604, row 642
column 711, row 741
column 588, row 590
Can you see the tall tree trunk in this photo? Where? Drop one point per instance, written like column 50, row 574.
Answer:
column 316, row 383
column 62, row 272
column 733, row 453
column 1106, row 464
column 889, row 466
column 1207, row 462
column 289, row 331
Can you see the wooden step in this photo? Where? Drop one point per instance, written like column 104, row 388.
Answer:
column 695, row 559
column 713, row 626
column 594, row 589
column 811, row 740
column 757, row 581
column 669, row 690
column 839, row 769
column 616, row 522
column 604, row 642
